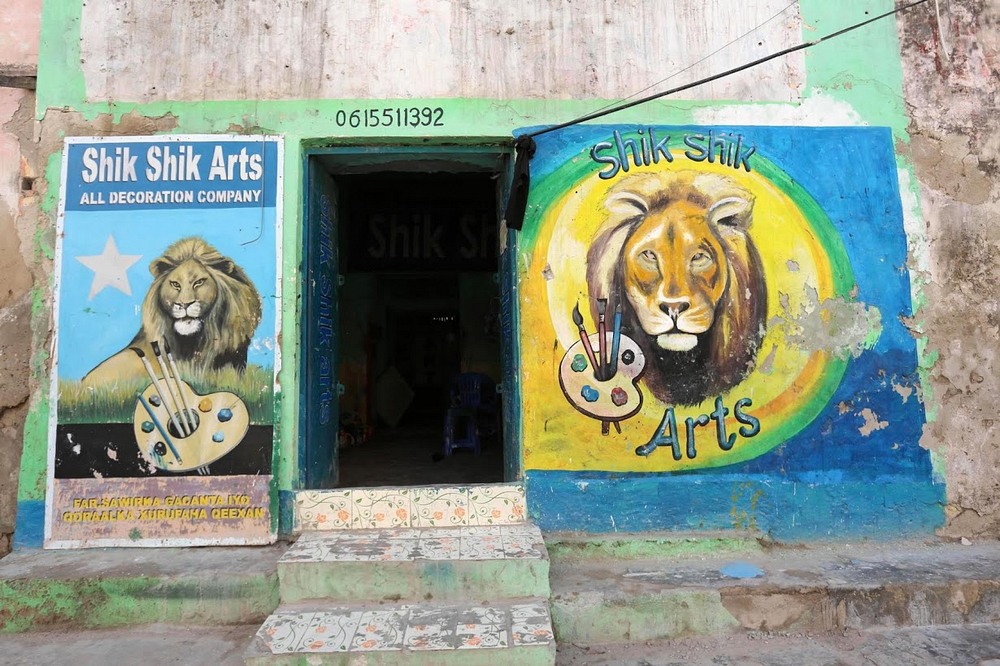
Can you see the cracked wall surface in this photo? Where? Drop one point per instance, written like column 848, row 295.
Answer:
column 951, row 62
column 17, row 195
column 20, row 183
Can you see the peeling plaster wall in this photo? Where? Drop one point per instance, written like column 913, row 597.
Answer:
column 17, row 221
column 19, row 27
column 951, row 65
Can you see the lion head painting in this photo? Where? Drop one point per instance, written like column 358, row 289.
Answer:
column 675, row 254
column 201, row 304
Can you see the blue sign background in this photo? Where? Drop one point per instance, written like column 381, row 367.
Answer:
column 77, row 188
column 92, row 329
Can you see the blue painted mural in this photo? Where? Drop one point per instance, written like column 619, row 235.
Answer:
column 713, row 334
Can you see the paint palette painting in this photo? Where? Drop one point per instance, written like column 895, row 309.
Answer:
column 202, row 430
column 610, row 400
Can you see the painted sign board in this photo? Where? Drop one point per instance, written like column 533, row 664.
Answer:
column 162, row 398
column 705, row 307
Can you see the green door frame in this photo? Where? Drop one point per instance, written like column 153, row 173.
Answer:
column 318, row 469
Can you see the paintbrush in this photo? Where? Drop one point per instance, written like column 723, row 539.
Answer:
column 602, row 331
column 584, row 338
column 616, row 338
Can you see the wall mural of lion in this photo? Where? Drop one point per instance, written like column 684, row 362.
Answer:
column 201, row 304
column 675, row 254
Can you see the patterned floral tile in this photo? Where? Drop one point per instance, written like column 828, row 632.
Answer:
column 481, row 636
column 439, row 548
column 330, row 632
column 323, row 510
column 378, row 508
column 440, row 507
column 482, row 547
column 523, row 545
column 446, row 627
column 380, row 630
column 466, row 543
column 283, row 632
column 429, row 634
column 530, row 624
column 496, row 505
column 421, row 506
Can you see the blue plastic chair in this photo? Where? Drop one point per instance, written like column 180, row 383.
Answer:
column 467, row 408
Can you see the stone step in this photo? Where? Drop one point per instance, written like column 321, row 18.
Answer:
column 112, row 587
column 513, row 631
column 807, row 589
column 495, row 562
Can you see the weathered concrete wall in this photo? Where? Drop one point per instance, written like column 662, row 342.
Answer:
column 520, row 49
column 951, row 85
column 19, row 26
column 17, row 184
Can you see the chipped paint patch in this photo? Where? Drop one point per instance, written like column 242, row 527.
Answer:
column 872, row 422
column 842, row 328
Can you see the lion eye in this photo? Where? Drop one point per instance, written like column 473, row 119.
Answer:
column 701, row 260
column 648, row 256
column 175, row 284
column 198, row 282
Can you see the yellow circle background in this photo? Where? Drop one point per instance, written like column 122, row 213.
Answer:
column 798, row 276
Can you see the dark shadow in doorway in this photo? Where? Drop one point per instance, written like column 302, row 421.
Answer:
column 412, row 456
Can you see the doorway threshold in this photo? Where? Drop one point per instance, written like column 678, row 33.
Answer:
column 409, row 506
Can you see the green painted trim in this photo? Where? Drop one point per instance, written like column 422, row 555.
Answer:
column 862, row 68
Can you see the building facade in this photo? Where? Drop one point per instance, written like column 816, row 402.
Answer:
column 274, row 245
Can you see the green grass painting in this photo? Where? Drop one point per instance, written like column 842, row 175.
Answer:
column 115, row 403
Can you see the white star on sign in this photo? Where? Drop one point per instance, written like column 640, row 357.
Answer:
column 110, row 269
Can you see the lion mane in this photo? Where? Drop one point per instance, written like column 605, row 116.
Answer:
column 674, row 254
column 201, row 304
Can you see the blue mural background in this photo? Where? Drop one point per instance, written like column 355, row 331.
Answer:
column 826, row 479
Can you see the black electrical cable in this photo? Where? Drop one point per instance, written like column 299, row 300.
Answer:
column 715, row 77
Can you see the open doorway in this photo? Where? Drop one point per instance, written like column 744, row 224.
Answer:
column 417, row 348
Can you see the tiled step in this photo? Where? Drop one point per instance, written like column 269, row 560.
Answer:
column 517, row 631
column 414, row 506
column 436, row 563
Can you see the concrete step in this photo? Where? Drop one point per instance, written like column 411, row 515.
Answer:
column 468, row 562
column 955, row 645
column 816, row 588
column 114, row 587
column 513, row 631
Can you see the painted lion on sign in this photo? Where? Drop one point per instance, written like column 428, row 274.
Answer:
column 676, row 256
column 201, row 305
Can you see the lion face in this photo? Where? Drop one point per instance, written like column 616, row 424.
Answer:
column 186, row 295
column 675, row 255
column 675, row 271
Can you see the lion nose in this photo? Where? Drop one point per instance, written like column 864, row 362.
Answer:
column 673, row 308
